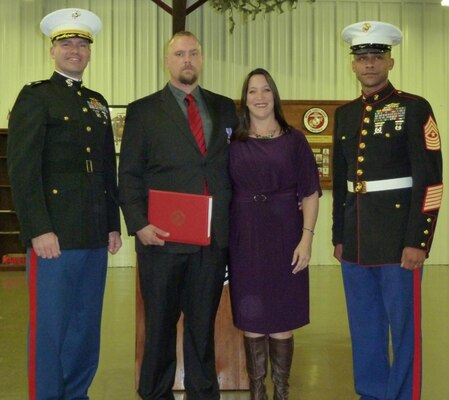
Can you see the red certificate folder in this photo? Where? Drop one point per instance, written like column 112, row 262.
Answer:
column 186, row 216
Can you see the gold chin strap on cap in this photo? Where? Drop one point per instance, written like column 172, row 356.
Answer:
column 72, row 34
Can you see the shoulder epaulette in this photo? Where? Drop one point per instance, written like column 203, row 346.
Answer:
column 36, row 83
column 349, row 102
column 401, row 93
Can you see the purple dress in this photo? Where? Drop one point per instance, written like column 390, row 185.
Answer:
column 269, row 177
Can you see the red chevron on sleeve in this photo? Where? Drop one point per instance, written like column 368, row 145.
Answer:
column 432, row 200
column 431, row 135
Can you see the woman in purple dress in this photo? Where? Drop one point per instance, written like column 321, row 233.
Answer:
column 272, row 170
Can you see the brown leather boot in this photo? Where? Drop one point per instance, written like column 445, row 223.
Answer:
column 281, row 355
column 256, row 352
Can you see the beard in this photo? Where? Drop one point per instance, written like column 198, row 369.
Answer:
column 188, row 79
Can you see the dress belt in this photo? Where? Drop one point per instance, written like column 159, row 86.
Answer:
column 380, row 185
column 263, row 197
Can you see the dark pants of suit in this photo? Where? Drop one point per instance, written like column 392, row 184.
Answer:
column 171, row 283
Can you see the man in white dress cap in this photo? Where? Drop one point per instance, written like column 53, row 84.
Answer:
column 69, row 23
column 61, row 163
column 387, row 189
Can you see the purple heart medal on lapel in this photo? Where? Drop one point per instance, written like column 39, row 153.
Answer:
column 229, row 133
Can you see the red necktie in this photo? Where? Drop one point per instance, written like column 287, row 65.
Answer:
column 195, row 123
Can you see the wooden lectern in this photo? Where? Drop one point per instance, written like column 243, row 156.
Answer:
column 229, row 352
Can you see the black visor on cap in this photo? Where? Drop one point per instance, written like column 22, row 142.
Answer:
column 68, row 35
column 370, row 48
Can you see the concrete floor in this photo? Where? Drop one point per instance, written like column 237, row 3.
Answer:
column 322, row 360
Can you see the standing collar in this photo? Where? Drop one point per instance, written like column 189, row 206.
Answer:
column 65, row 80
column 380, row 95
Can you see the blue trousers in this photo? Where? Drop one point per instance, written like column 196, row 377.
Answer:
column 384, row 302
column 66, row 299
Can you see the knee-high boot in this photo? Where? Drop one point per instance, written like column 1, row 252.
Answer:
column 256, row 352
column 281, row 355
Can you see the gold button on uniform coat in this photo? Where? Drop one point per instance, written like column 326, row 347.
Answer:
column 399, row 135
column 80, row 207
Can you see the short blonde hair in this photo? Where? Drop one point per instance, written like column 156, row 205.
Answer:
column 181, row 34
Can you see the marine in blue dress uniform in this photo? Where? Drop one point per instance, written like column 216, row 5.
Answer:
column 62, row 168
column 387, row 192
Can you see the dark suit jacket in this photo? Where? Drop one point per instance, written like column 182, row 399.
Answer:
column 390, row 134
column 159, row 151
column 61, row 163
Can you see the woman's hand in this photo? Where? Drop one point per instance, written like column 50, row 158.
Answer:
column 302, row 253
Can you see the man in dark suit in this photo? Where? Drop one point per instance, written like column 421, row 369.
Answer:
column 159, row 151
column 61, row 163
column 387, row 193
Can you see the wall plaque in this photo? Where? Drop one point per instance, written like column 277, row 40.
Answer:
column 316, row 119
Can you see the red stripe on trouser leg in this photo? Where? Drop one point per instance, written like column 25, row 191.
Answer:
column 32, row 285
column 416, row 390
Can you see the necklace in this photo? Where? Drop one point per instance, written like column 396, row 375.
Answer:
column 269, row 135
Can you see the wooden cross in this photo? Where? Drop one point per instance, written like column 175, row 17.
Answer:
column 179, row 12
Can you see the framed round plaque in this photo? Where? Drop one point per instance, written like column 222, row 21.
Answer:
column 316, row 120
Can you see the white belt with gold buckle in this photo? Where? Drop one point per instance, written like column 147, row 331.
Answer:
column 377, row 186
